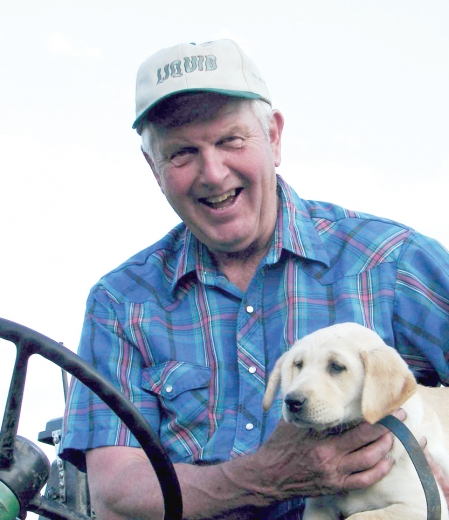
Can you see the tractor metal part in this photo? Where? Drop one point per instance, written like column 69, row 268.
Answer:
column 9, row 505
column 29, row 471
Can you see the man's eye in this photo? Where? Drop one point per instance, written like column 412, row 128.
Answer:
column 183, row 152
column 232, row 141
column 182, row 156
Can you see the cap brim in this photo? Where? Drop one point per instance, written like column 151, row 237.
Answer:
column 231, row 93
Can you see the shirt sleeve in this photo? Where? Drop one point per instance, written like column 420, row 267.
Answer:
column 88, row 422
column 421, row 309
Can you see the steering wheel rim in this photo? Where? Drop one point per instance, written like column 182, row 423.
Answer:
column 33, row 342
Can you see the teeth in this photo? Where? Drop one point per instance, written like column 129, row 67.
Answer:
column 221, row 198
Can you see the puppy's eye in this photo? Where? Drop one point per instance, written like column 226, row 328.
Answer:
column 299, row 365
column 336, row 368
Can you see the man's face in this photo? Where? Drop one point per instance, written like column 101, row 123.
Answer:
column 218, row 174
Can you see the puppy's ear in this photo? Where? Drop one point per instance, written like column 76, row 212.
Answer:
column 273, row 384
column 388, row 382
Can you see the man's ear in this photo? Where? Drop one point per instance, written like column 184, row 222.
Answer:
column 276, row 127
column 153, row 169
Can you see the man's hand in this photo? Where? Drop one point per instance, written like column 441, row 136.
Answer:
column 301, row 463
column 441, row 478
column 291, row 463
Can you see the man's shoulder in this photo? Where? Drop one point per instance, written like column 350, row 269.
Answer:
column 327, row 213
column 334, row 213
column 150, row 271
column 166, row 248
column 354, row 241
column 336, row 223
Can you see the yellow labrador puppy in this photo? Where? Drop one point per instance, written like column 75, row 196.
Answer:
column 343, row 374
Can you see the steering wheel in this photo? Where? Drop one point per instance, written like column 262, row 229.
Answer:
column 24, row 468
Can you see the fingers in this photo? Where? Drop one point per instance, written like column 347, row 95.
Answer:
column 436, row 469
column 355, row 459
column 362, row 435
column 369, row 455
column 365, row 433
column 440, row 476
column 400, row 414
column 370, row 476
column 368, row 462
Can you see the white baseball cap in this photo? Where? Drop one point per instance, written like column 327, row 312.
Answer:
column 219, row 66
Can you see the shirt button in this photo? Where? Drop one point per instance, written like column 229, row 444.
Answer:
column 252, row 370
column 169, row 389
column 249, row 309
column 249, row 426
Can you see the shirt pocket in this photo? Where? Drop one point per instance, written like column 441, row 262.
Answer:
column 183, row 392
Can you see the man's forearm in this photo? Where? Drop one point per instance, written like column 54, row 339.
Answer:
column 290, row 464
column 229, row 490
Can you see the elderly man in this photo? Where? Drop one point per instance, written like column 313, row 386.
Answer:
column 190, row 328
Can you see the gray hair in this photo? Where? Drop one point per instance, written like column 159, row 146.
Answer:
column 261, row 109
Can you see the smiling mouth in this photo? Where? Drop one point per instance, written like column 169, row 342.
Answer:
column 221, row 201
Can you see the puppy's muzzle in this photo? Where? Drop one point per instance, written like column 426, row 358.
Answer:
column 294, row 403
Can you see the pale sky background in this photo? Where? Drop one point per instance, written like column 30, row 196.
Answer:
column 363, row 85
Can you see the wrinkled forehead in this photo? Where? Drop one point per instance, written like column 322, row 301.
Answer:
column 181, row 109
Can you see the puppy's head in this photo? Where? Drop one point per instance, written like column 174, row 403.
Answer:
column 339, row 374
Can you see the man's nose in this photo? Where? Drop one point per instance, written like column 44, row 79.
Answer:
column 213, row 168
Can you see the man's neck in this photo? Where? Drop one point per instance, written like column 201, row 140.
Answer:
column 240, row 267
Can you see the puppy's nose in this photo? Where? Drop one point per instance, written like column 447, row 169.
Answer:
column 294, row 403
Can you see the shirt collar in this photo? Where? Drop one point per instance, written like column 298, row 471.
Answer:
column 295, row 232
column 295, row 229
column 194, row 258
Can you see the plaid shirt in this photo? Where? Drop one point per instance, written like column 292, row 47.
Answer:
column 193, row 352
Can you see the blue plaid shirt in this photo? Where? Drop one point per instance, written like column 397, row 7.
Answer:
column 193, row 352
